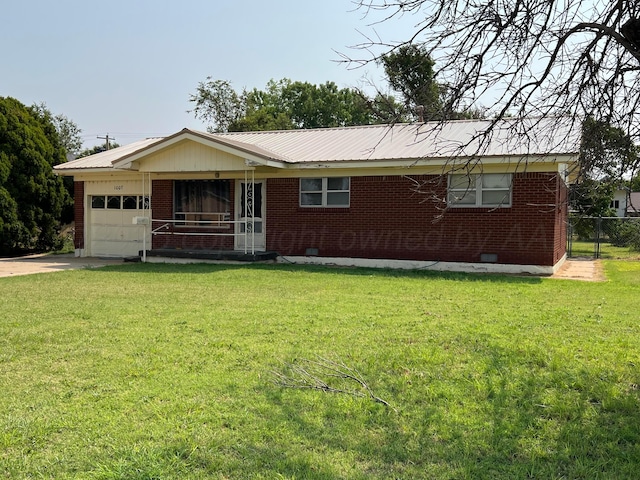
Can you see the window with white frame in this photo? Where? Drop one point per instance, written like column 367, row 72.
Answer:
column 120, row 202
column 325, row 192
column 480, row 190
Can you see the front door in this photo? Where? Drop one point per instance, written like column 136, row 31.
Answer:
column 250, row 205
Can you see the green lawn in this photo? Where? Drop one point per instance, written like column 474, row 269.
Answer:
column 166, row 372
column 582, row 248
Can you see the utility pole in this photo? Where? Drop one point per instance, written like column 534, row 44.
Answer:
column 107, row 140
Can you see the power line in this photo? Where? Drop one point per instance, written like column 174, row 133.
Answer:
column 106, row 138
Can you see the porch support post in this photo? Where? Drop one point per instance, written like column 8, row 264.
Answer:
column 249, row 214
column 246, row 223
column 253, row 213
column 144, row 230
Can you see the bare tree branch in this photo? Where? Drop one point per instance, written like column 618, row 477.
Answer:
column 524, row 57
column 331, row 376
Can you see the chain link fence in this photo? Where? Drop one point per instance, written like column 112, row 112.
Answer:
column 586, row 235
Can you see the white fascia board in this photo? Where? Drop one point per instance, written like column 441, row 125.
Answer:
column 75, row 172
column 106, row 176
column 130, row 162
column 515, row 162
column 260, row 162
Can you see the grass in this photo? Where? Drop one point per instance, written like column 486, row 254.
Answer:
column 165, row 372
column 581, row 248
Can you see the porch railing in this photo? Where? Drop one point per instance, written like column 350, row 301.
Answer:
column 204, row 219
column 207, row 228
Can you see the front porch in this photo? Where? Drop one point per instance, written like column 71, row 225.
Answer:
column 197, row 254
column 225, row 217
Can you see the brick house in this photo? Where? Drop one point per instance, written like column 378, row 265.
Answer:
column 417, row 196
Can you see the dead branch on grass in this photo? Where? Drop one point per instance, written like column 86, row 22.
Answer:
column 331, row 376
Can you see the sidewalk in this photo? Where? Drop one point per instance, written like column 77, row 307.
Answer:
column 585, row 269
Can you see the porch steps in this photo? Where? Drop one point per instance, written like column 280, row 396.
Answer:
column 212, row 255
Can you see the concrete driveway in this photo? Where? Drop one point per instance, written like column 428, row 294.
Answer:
column 10, row 267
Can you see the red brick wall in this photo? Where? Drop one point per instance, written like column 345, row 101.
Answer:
column 388, row 219
column 162, row 208
column 78, row 214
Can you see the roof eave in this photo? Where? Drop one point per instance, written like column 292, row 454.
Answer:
column 71, row 172
column 430, row 161
column 127, row 162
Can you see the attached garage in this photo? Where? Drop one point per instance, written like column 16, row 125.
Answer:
column 111, row 210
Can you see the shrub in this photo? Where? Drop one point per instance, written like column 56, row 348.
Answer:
column 625, row 233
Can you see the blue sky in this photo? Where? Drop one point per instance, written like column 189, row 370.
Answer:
column 127, row 67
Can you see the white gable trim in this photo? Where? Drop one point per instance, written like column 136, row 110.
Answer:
column 129, row 162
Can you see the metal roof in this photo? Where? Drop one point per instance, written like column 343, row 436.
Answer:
column 463, row 138
column 105, row 159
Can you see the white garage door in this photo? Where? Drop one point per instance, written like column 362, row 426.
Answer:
column 111, row 229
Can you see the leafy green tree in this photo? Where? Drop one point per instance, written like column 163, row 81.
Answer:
column 32, row 198
column 409, row 71
column 386, row 109
column 607, row 152
column 68, row 134
column 263, row 109
column 607, row 156
column 68, row 131
column 592, row 198
column 97, row 149
column 285, row 105
column 217, row 104
column 305, row 105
